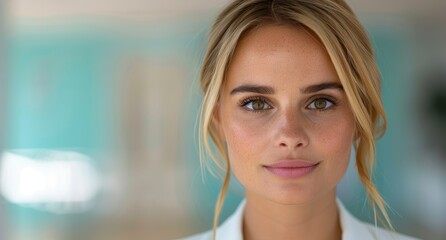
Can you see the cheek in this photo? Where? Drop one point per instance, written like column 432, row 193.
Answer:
column 246, row 145
column 243, row 139
column 340, row 137
column 337, row 143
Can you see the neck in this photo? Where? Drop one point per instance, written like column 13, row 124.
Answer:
column 318, row 219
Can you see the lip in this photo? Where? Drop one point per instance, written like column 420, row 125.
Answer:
column 291, row 168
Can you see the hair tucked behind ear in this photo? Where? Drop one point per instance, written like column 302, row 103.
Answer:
column 349, row 48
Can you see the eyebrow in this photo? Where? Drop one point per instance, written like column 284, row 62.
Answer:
column 269, row 90
column 322, row 86
column 253, row 88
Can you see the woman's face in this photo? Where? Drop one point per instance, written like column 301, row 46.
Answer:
column 284, row 116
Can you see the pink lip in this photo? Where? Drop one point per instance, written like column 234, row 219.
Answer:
column 291, row 168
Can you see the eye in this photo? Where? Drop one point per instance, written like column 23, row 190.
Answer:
column 321, row 104
column 255, row 104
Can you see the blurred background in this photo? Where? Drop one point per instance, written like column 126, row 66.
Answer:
column 99, row 102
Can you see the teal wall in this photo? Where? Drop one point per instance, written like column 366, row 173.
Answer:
column 58, row 94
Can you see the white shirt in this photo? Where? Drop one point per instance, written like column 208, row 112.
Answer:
column 352, row 228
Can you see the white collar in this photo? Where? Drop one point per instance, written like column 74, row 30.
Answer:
column 352, row 228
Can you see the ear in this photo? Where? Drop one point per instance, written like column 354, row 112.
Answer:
column 216, row 121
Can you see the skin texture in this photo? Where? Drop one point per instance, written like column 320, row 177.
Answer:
column 286, row 121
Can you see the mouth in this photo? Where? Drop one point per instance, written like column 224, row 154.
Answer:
column 292, row 168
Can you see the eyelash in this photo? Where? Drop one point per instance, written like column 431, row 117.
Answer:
column 326, row 98
column 248, row 100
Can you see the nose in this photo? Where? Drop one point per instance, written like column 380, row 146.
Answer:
column 292, row 132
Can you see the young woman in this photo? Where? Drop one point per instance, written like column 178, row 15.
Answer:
column 290, row 86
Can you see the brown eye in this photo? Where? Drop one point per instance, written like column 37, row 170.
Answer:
column 256, row 104
column 321, row 104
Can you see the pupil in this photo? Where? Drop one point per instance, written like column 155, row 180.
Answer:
column 257, row 105
column 320, row 103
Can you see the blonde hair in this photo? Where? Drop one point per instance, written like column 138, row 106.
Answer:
column 349, row 48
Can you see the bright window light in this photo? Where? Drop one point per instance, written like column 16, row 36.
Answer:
column 44, row 177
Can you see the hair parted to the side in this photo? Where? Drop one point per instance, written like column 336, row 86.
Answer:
column 350, row 51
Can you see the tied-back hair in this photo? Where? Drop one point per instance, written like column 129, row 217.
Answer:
column 349, row 48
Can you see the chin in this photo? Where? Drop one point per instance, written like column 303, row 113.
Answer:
column 289, row 198
column 295, row 197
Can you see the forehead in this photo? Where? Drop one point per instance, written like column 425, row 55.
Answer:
column 275, row 36
column 272, row 53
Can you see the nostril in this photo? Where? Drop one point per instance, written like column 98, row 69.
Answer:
column 286, row 145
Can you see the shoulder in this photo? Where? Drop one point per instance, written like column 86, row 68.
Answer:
column 353, row 228
column 231, row 228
